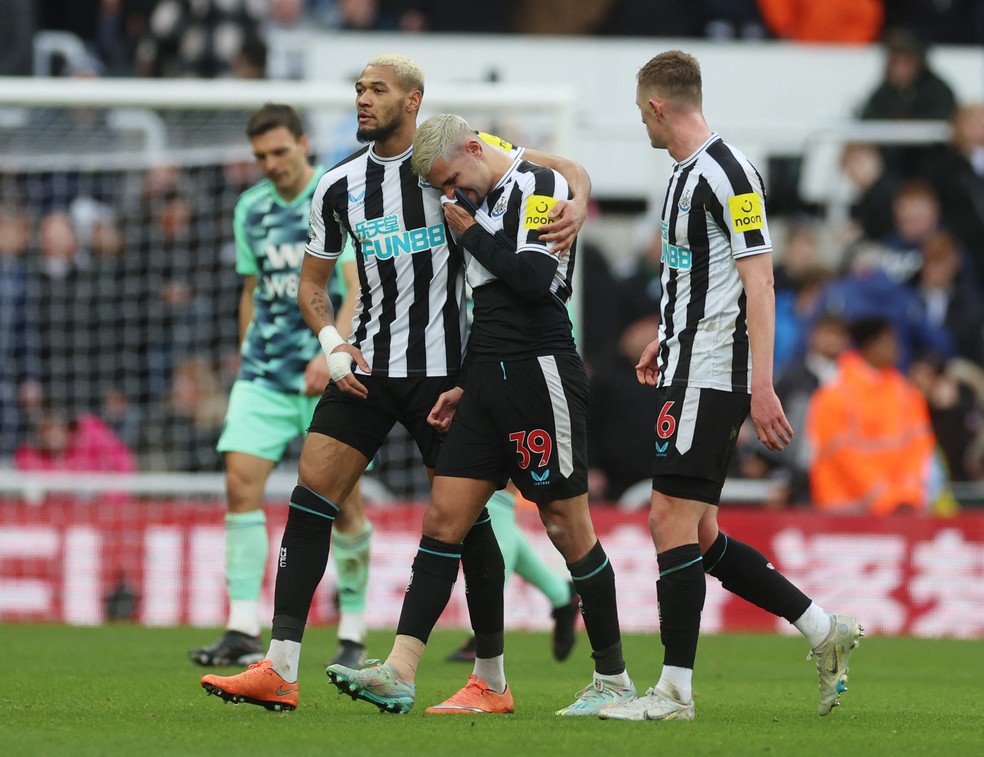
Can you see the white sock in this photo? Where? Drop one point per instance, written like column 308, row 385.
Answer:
column 286, row 657
column 244, row 616
column 814, row 624
column 677, row 682
column 621, row 680
column 352, row 627
column 492, row 670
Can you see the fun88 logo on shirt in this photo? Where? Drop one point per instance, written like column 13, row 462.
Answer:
column 382, row 238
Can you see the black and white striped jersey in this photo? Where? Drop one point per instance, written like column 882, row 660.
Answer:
column 505, row 323
column 713, row 214
column 410, row 319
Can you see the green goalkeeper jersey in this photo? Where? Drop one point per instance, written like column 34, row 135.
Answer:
column 270, row 236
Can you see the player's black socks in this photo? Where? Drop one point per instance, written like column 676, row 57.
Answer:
column 435, row 569
column 594, row 578
column 303, row 558
column 485, row 578
column 681, row 589
column 745, row 571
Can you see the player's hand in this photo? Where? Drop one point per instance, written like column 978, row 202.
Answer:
column 459, row 219
column 349, row 383
column 569, row 217
column 770, row 422
column 647, row 371
column 316, row 377
column 443, row 411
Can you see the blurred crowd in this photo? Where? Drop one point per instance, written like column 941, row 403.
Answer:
column 118, row 339
column 214, row 38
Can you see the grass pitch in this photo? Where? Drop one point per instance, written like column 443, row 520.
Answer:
column 126, row 690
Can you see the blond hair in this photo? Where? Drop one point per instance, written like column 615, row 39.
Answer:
column 675, row 75
column 409, row 74
column 439, row 136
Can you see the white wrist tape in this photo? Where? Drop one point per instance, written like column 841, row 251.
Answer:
column 330, row 339
column 339, row 363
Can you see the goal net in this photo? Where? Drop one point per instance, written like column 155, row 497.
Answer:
column 118, row 263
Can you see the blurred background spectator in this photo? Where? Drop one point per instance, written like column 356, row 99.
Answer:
column 910, row 89
column 61, row 440
column 849, row 21
column 871, row 442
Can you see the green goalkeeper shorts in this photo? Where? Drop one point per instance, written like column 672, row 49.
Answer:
column 262, row 422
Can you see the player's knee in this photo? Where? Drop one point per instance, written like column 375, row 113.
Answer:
column 446, row 524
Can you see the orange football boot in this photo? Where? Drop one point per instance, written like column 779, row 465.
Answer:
column 475, row 698
column 258, row 684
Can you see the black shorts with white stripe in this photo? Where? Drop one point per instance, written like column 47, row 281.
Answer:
column 694, row 439
column 525, row 420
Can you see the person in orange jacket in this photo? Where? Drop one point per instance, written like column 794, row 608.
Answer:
column 869, row 431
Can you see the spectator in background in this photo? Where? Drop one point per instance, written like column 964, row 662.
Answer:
column 183, row 429
column 866, row 291
column 916, row 217
column 796, row 384
column 956, row 172
column 621, row 416
column 16, row 35
column 197, row 38
column 846, row 21
column 869, row 431
column 61, row 440
column 445, row 16
column 909, row 89
column 61, row 302
column 872, row 186
column 800, row 276
column 952, row 300
column 956, row 412
column 19, row 360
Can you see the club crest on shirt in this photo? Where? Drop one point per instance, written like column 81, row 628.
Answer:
column 684, row 203
column 746, row 212
column 500, row 206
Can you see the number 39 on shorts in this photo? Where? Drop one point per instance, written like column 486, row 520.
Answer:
column 665, row 423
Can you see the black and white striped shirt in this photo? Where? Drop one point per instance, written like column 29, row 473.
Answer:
column 411, row 319
column 713, row 214
column 507, row 324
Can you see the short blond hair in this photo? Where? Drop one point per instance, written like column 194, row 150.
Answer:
column 409, row 74
column 439, row 136
column 675, row 75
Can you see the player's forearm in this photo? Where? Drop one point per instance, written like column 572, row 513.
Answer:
column 760, row 315
column 312, row 293
column 527, row 273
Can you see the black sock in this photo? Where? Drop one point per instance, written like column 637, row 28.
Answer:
column 485, row 579
column 681, row 589
column 435, row 569
column 744, row 571
column 594, row 578
column 303, row 558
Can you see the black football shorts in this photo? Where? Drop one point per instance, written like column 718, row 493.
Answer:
column 694, row 439
column 525, row 420
column 365, row 423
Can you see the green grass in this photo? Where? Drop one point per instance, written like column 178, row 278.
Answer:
column 128, row 690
